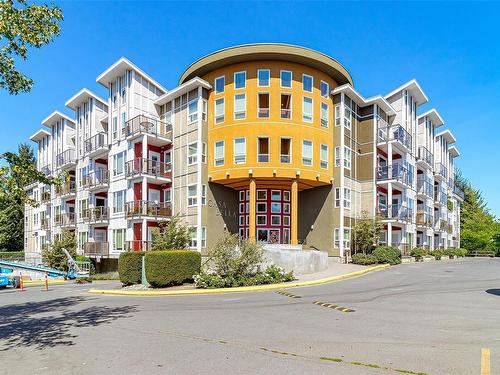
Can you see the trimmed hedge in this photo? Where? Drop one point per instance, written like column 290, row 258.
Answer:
column 387, row 254
column 11, row 254
column 130, row 267
column 171, row 267
column 364, row 259
column 419, row 252
column 437, row 254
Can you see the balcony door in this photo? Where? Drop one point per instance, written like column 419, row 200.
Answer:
column 154, row 195
column 154, row 162
column 100, row 235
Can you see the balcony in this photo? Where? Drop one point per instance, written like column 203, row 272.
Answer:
column 459, row 192
column 393, row 133
column 96, row 249
column 66, row 159
column 160, row 131
column 139, row 245
column 66, row 189
column 394, row 173
column 45, row 223
column 96, row 215
column 395, row 212
column 97, row 145
column 46, row 197
column 441, row 172
column 147, row 208
column 65, row 219
column 46, row 170
column 424, row 187
column 150, row 168
column 440, row 196
column 424, row 218
column 96, row 180
column 425, row 157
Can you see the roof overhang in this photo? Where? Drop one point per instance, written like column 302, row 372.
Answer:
column 55, row 116
column 415, row 90
column 183, row 89
column 453, row 151
column 39, row 135
column 448, row 135
column 267, row 51
column 81, row 96
column 354, row 95
column 434, row 116
column 119, row 68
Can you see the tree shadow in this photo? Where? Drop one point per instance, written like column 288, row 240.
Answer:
column 495, row 292
column 49, row 323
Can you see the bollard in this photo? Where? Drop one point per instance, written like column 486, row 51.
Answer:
column 21, row 281
column 46, row 282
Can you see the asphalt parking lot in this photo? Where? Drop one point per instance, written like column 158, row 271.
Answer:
column 432, row 318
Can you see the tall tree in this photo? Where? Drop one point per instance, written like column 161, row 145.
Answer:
column 23, row 25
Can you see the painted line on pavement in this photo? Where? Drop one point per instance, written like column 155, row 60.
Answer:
column 283, row 293
column 333, row 306
column 485, row 361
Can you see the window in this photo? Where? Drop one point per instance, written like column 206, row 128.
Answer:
column 119, row 239
column 324, row 89
column 275, row 195
column 240, row 106
column 203, row 194
column 118, row 201
column 307, row 153
column 285, row 150
column 347, row 117
column 307, row 83
column 219, row 154
column 123, row 120
column 168, row 157
column 347, row 198
column 263, row 77
column 307, row 109
column 219, row 84
column 275, row 220
column 240, row 156
column 192, row 156
column 324, row 156
column 261, row 195
column 261, row 208
column 192, row 195
column 115, row 127
column 337, row 197
column 286, row 106
column 263, row 150
column 337, row 156
column 194, row 237
column 219, row 110
column 263, row 105
column 167, row 195
column 324, row 115
column 276, row 208
column 285, row 78
column 118, row 163
column 336, row 237
column 286, row 221
column 84, row 237
column 286, row 195
column 240, row 79
column 337, row 115
column 347, row 238
column 203, row 152
column 203, row 237
column 261, row 219
column 192, row 111
column 347, row 157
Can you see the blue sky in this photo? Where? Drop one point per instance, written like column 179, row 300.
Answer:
column 452, row 49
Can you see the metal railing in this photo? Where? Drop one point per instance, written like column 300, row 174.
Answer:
column 96, row 248
column 45, row 196
column 96, row 178
column 387, row 133
column 96, row 214
column 440, row 195
column 66, row 188
column 424, row 186
column 147, row 208
column 45, row 223
column 424, row 218
column 458, row 192
column 66, row 157
column 65, row 219
column 140, row 166
column 395, row 212
column 142, row 124
column 425, row 155
column 441, row 170
column 96, row 142
column 394, row 172
column 138, row 245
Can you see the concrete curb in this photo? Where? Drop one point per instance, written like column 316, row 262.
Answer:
column 241, row 289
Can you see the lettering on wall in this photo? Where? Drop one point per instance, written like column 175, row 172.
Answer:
column 222, row 209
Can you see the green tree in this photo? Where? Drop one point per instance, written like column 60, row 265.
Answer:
column 173, row 235
column 366, row 232
column 23, row 25
column 53, row 255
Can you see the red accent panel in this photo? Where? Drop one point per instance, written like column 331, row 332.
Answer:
column 137, row 231
column 138, row 150
column 138, row 191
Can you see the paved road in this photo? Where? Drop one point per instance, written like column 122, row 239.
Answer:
column 428, row 317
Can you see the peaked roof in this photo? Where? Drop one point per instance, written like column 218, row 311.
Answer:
column 415, row 90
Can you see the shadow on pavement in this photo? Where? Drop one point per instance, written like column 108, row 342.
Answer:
column 495, row 292
column 49, row 323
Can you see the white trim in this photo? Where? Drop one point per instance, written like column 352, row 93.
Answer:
column 312, row 83
column 291, row 79
column 234, row 80
column 215, row 84
column 312, row 108
column 269, row 78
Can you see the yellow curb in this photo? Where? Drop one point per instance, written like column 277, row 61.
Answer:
column 42, row 282
column 240, row 289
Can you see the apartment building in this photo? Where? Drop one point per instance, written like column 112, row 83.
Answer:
column 268, row 141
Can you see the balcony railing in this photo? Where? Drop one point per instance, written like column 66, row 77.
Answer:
column 65, row 219
column 425, row 155
column 440, row 195
column 387, row 133
column 46, row 197
column 458, row 192
column 65, row 158
column 94, row 249
column 45, row 223
column 394, row 172
column 146, row 125
column 96, row 214
column 147, row 208
column 96, row 178
column 96, row 142
column 424, row 218
column 395, row 212
column 424, row 186
column 140, row 166
column 66, row 188
column 441, row 170
column 46, row 170
column 138, row 245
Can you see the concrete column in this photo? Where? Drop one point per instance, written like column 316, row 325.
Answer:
column 253, row 200
column 295, row 214
column 389, row 234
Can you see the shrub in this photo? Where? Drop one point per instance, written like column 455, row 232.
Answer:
column 173, row 267
column 83, row 258
column 453, row 252
column 105, row 276
column 171, row 235
column 11, row 255
column 53, row 256
column 437, row 254
column 130, row 267
column 419, row 252
column 364, row 259
column 387, row 254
